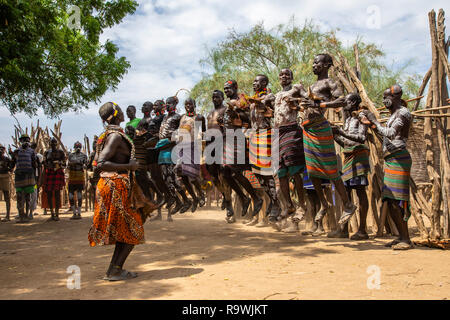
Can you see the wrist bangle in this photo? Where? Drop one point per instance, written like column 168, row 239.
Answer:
column 323, row 105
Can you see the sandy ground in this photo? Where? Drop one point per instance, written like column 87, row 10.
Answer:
column 199, row 256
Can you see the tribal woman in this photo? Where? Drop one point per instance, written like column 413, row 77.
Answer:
column 397, row 163
column 115, row 221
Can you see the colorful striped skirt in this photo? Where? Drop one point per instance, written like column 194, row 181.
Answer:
column 114, row 219
column 260, row 152
column 356, row 162
column 397, row 170
column 307, row 183
column 290, row 146
column 320, row 153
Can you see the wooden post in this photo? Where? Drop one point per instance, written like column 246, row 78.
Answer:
column 434, row 98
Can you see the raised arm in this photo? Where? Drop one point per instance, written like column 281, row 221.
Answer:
column 402, row 119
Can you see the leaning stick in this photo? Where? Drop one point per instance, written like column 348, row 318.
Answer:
column 60, row 143
column 429, row 115
column 407, row 101
column 431, row 109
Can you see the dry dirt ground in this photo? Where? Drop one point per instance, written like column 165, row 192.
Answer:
column 200, row 256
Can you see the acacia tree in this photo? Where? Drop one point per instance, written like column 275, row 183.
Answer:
column 45, row 64
column 243, row 55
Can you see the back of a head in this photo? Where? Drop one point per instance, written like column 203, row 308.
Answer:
column 106, row 111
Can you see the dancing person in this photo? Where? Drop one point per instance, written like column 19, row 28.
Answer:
column 356, row 166
column 320, row 153
column 115, row 221
column 260, row 148
column 236, row 120
column 290, row 148
column 167, row 131
column 189, row 143
column 214, row 160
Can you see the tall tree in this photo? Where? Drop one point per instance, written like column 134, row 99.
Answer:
column 48, row 63
column 243, row 55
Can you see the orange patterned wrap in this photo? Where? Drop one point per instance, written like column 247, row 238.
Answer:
column 114, row 219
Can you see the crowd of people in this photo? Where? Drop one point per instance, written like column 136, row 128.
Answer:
column 169, row 157
column 45, row 174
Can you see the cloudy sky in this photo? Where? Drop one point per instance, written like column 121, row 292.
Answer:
column 165, row 39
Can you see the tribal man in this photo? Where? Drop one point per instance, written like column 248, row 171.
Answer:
column 54, row 182
column 260, row 150
column 24, row 177
column 290, row 148
column 356, row 165
column 115, row 220
column 191, row 126
column 397, row 163
column 165, row 145
column 77, row 162
column 215, row 122
column 236, row 120
column 6, row 166
column 140, row 139
column 156, row 177
column 320, row 153
column 131, row 114
column 147, row 109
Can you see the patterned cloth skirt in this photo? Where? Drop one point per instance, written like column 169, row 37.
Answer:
column 320, row 153
column 290, row 146
column 356, row 166
column 54, row 180
column 189, row 161
column 236, row 154
column 397, row 170
column 24, row 179
column 114, row 219
column 76, row 177
column 260, row 152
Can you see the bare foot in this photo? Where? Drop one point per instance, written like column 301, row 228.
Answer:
column 359, row 236
column 349, row 210
column 123, row 275
column 253, row 222
column 292, row 227
column 322, row 212
column 403, row 245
